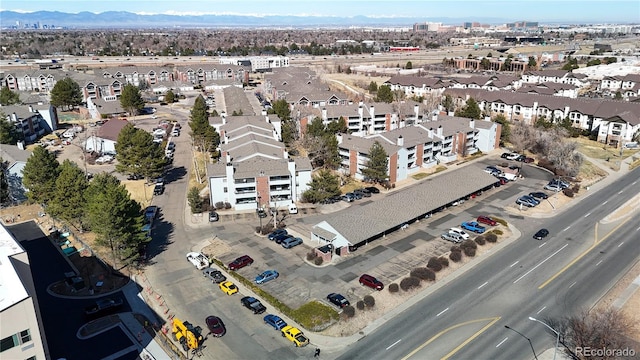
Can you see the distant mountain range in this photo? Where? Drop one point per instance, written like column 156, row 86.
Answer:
column 123, row 19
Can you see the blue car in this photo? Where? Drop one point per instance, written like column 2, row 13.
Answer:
column 276, row 233
column 275, row 321
column 266, row 276
column 473, row 226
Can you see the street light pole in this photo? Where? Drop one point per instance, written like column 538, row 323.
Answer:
column 555, row 351
column 258, row 213
column 529, row 340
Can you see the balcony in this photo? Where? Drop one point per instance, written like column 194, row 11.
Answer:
column 245, row 181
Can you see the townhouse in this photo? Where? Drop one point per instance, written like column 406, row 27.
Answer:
column 416, row 85
column 628, row 85
column 254, row 170
column 299, row 86
column 556, row 76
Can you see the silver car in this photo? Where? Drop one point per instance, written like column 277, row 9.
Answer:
column 451, row 237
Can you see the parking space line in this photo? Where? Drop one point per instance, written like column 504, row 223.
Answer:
column 502, row 342
column 542, row 262
column 570, row 286
column 621, row 244
column 567, row 228
column 481, row 286
column 514, row 264
column 539, row 311
column 599, row 262
column 541, row 245
column 392, row 345
column 587, row 214
column 442, row 312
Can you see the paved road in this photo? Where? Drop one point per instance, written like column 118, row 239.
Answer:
column 504, row 288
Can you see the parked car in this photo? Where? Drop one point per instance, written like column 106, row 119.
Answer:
column 473, row 226
column 275, row 233
column 525, row 202
column 461, row 233
column 253, row 304
column 492, row 170
column 486, row 220
column 370, row 281
column 213, row 216
column 214, row 275
column 541, row 234
column 158, row 189
column 505, row 155
column 539, row 195
column 228, row 287
column 215, row 325
column 295, row 335
column 525, row 159
column 291, row 242
column 102, row 307
column 373, row 190
column 347, row 197
column 451, row 237
column 240, row 262
column 198, row 260
column 282, row 237
column 363, row 192
column 266, row 276
column 532, row 199
column 512, row 156
column 134, row 177
column 150, row 213
column 338, row 300
column 563, row 184
column 356, row 195
column 274, row 321
column 553, row 187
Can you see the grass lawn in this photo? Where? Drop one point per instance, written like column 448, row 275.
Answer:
column 601, row 151
column 589, row 171
column 201, row 160
column 137, row 189
column 422, row 175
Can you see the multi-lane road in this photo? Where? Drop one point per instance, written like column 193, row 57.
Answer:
column 529, row 278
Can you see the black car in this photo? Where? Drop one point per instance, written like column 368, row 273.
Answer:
column 505, row 155
column 103, row 307
column 253, row 304
column 541, row 234
column 158, row 189
column 134, row 177
column 539, row 195
column 373, row 189
column 282, row 237
column 277, row 232
column 363, row 192
column 338, row 300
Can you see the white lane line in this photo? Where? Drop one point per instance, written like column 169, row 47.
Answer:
column 633, row 183
column 539, row 311
column 481, row 286
column 638, row 228
column 605, row 202
column 514, row 264
column 442, row 312
column 567, row 228
column 570, row 286
column 598, row 262
column 541, row 245
column 621, row 244
column 392, row 345
column 620, row 192
column 542, row 262
column 502, row 342
column 587, row 214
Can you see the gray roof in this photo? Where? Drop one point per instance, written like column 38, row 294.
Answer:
column 12, row 154
column 360, row 223
column 302, row 163
column 323, row 233
column 236, row 100
column 260, row 166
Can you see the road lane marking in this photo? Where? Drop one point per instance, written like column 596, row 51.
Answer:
column 638, row 228
column 567, row 228
column 392, row 345
column 436, row 336
column 502, row 342
column 514, row 264
column 570, row 286
column 541, row 245
column 539, row 311
column 621, row 244
column 442, row 312
column 633, row 183
column 587, row 214
column 452, row 352
column 620, row 192
column 599, row 262
column 595, row 243
column 540, row 263
column 481, row 286
column 605, row 202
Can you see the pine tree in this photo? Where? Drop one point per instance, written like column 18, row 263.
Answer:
column 194, row 199
column 384, row 94
column 323, row 185
column 316, row 127
column 471, row 110
column 66, row 93
column 203, row 134
column 8, row 97
column 68, row 202
column 40, row 174
column 131, row 100
column 4, row 184
column 376, row 169
column 170, row 97
column 138, row 154
column 8, row 132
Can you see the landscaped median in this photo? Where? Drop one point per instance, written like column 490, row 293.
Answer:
column 313, row 316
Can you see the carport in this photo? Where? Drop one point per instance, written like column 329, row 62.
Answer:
column 359, row 225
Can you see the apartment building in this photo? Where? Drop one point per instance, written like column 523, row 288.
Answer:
column 32, row 121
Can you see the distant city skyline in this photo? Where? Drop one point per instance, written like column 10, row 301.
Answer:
column 542, row 11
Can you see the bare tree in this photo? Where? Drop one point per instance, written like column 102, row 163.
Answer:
column 521, row 135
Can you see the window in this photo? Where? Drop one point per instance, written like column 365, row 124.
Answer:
column 225, row 189
column 8, row 342
column 25, row 336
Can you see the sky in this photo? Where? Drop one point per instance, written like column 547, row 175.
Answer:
column 574, row 11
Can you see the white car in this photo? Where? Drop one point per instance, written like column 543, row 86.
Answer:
column 459, row 232
column 198, row 260
column 513, row 156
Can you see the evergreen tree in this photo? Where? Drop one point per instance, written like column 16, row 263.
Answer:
column 447, row 103
column 409, row 65
column 323, row 185
column 506, row 128
column 195, row 201
column 532, row 62
column 8, row 97
column 169, row 97
column 289, row 126
column 373, row 87
column 376, row 169
column 39, row 175
column 4, row 183
column 68, row 202
column 138, row 154
column 337, row 126
column 203, row 134
column 8, row 132
column 116, row 219
column 384, row 94
column 316, row 127
column 131, row 100
column 66, row 93
column 471, row 110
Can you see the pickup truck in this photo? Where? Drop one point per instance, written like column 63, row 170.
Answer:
column 473, row 226
column 103, row 306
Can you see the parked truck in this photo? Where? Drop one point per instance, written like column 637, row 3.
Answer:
column 189, row 336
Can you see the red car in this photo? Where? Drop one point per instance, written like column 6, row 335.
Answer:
column 240, row 262
column 370, row 281
column 216, row 326
column 487, row 220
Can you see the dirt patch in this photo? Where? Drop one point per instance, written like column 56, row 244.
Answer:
column 139, row 191
column 19, row 213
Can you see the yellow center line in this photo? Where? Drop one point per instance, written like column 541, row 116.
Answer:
column 433, row 338
column 596, row 242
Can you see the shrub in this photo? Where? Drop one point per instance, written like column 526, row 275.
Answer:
column 394, row 288
column 432, row 261
column 360, row 305
column 500, row 221
column 491, row 238
column 469, row 251
column 435, row 266
column 311, row 255
column 422, row 273
column 568, row 192
column 455, row 256
column 480, row 240
column 370, row 301
column 468, row 244
column 409, row 283
column 348, row 311
column 575, row 188
column 219, row 205
column 227, row 205
column 455, row 248
column 443, row 261
column 317, row 260
column 496, row 231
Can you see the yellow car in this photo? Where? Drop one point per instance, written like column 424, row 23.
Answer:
column 295, row 335
column 228, row 287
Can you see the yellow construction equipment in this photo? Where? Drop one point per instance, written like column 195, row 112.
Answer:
column 187, row 335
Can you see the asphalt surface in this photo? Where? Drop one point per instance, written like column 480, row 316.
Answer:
column 505, row 288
